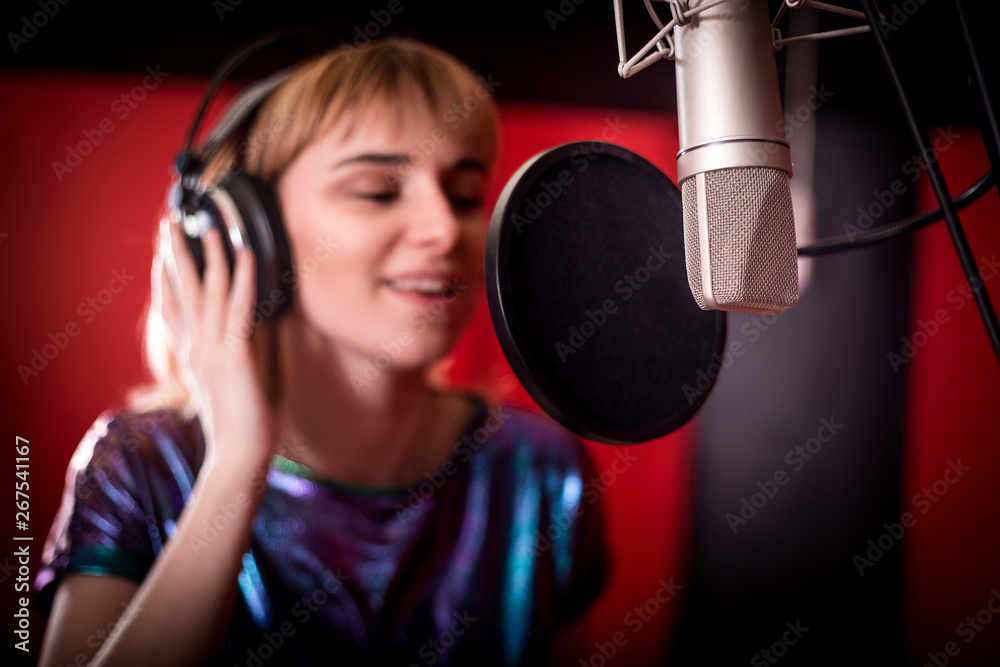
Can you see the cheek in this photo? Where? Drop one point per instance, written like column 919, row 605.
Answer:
column 333, row 275
column 332, row 261
column 327, row 244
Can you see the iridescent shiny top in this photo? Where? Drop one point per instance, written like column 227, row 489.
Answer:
column 476, row 563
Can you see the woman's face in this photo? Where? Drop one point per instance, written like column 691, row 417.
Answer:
column 387, row 232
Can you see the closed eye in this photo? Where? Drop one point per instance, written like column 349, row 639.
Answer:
column 385, row 197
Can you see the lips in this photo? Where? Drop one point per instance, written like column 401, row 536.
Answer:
column 425, row 284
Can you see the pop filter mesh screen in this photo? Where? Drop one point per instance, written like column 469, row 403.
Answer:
column 591, row 299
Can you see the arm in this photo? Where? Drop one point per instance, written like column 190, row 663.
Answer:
column 180, row 612
column 84, row 611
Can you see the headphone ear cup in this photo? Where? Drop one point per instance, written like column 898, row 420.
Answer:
column 200, row 213
column 262, row 227
column 241, row 207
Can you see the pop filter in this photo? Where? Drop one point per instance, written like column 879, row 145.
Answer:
column 589, row 297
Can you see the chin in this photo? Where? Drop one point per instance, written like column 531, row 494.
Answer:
column 424, row 353
column 411, row 349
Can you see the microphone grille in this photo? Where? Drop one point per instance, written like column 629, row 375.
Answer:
column 749, row 227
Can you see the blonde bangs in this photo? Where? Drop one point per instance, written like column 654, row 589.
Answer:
column 344, row 85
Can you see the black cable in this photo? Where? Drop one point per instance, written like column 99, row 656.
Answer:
column 832, row 244
column 940, row 189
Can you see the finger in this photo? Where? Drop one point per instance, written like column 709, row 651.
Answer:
column 180, row 257
column 164, row 250
column 216, row 283
column 241, row 299
column 165, row 301
column 184, row 275
column 159, row 276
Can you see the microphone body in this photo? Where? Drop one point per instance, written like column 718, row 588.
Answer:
column 734, row 163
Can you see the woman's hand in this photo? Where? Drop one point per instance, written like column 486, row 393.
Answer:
column 210, row 322
column 181, row 612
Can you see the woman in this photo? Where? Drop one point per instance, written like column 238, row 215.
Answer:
column 337, row 507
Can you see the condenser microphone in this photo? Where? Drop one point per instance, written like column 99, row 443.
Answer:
column 734, row 163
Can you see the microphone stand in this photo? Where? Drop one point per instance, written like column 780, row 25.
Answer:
column 958, row 239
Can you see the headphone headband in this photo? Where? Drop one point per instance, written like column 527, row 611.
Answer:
column 190, row 160
column 241, row 110
column 244, row 210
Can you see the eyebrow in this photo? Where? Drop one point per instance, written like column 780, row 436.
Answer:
column 374, row 158
column 463, row 164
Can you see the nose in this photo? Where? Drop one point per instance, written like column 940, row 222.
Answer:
column 434, row 222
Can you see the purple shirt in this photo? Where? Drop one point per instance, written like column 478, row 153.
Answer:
column 477, row 563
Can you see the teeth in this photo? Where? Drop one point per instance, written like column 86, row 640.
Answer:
column 424, row 285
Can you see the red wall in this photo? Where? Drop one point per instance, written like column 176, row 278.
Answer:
column 67, row 233
column 61, row 241
column 952, row 555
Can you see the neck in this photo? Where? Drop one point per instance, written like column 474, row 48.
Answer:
column 371, row 433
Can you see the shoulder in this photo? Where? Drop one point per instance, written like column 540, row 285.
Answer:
column 130, row 474
column 120, row 442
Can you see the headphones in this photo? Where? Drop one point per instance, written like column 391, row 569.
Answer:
column 243, row 208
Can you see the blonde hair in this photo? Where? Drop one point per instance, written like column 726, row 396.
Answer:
column 339, row 86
